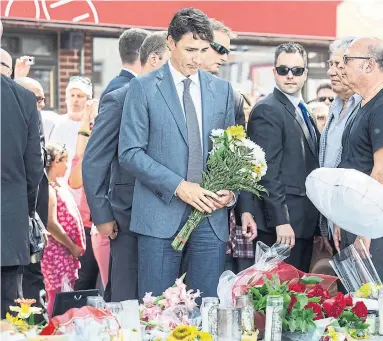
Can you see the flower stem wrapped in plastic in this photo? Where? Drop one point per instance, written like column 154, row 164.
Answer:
column 235, row 164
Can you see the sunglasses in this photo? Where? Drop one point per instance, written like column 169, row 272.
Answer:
column 82, row 79
column 39, row 99
column 6, row 65
column 219, row 48
column 284, row 70
column 323, row 99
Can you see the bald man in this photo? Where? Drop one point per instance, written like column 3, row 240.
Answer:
column 33, row 281
column 6, row 63
column 362, row 64
column 36, row 88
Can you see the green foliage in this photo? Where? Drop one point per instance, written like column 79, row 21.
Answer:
column 311, row 280
column 349, row 320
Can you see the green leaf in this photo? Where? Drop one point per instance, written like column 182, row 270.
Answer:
column 311, row 280
column 315, row 299
column 292, row 325
column 302, row 301
column 31, row 321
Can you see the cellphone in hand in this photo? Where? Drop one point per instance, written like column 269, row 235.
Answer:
column 30, row 60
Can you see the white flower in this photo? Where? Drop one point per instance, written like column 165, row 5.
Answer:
column 248, row 143
column 257, row 153
column 217, row 132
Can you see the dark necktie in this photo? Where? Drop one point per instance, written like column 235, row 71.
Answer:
column 195, row 159
column 308, row 122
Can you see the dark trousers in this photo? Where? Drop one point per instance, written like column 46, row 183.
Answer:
column 123, row 275
column 301, row 253
column 33, row 283
column 159, row 264
column 11, row 277
column 237, row 265
column 88, row 274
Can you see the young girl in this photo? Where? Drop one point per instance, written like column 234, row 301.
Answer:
column 66, row 240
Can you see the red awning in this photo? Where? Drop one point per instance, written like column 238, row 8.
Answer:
column 301, row 18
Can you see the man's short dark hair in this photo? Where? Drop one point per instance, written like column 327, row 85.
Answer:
column 323, row 86
column 190, row 20
column 129, row 44
column 154, row 43
column 290, row 48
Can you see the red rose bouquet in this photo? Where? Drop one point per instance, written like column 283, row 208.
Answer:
column 306, row 301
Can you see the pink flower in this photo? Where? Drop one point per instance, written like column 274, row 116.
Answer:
column 172, row 295
column 180, row 284
column 163, row 303
column 148, row 299
column 150, row 313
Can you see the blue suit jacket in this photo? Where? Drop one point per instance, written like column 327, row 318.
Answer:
column 108, row 200
column 153, row 147
column 117, row 82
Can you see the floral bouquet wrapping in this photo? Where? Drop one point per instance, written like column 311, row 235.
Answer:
column 355, row 269
column 235, row 164
column 85, row 324
column 268, row 262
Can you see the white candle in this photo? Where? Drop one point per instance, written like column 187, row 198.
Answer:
column 205, row 319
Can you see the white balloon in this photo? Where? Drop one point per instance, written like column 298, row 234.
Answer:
column 348, row 198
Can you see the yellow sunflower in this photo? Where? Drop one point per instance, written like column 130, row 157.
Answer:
column 236, row 132
column 204, row 336
column 183, row 333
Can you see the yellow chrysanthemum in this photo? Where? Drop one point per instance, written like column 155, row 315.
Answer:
column 236, row 132
column 183, row 333
column 204, row 336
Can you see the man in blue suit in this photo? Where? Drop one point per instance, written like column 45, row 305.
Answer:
column 129, row 48
column 110, row 203
column 164, row 142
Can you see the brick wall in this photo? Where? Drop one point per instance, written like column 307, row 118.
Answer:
column 70, row 64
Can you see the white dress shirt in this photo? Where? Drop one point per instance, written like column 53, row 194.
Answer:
column 132, row 72
column 195, row 93
column 293, row 99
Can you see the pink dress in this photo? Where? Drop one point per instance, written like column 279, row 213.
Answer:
column 58, row 262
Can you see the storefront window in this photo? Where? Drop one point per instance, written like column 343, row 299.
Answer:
column 106, row 63
column 44, row 48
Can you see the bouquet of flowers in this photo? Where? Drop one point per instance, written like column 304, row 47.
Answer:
column 307, row 301
column 24, row 322
column 175, row 307
column 235, row 164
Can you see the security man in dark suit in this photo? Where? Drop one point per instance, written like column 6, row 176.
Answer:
column 21, row 172
column 283, row 127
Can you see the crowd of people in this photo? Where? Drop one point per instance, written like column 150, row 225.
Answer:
column 114, row 180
